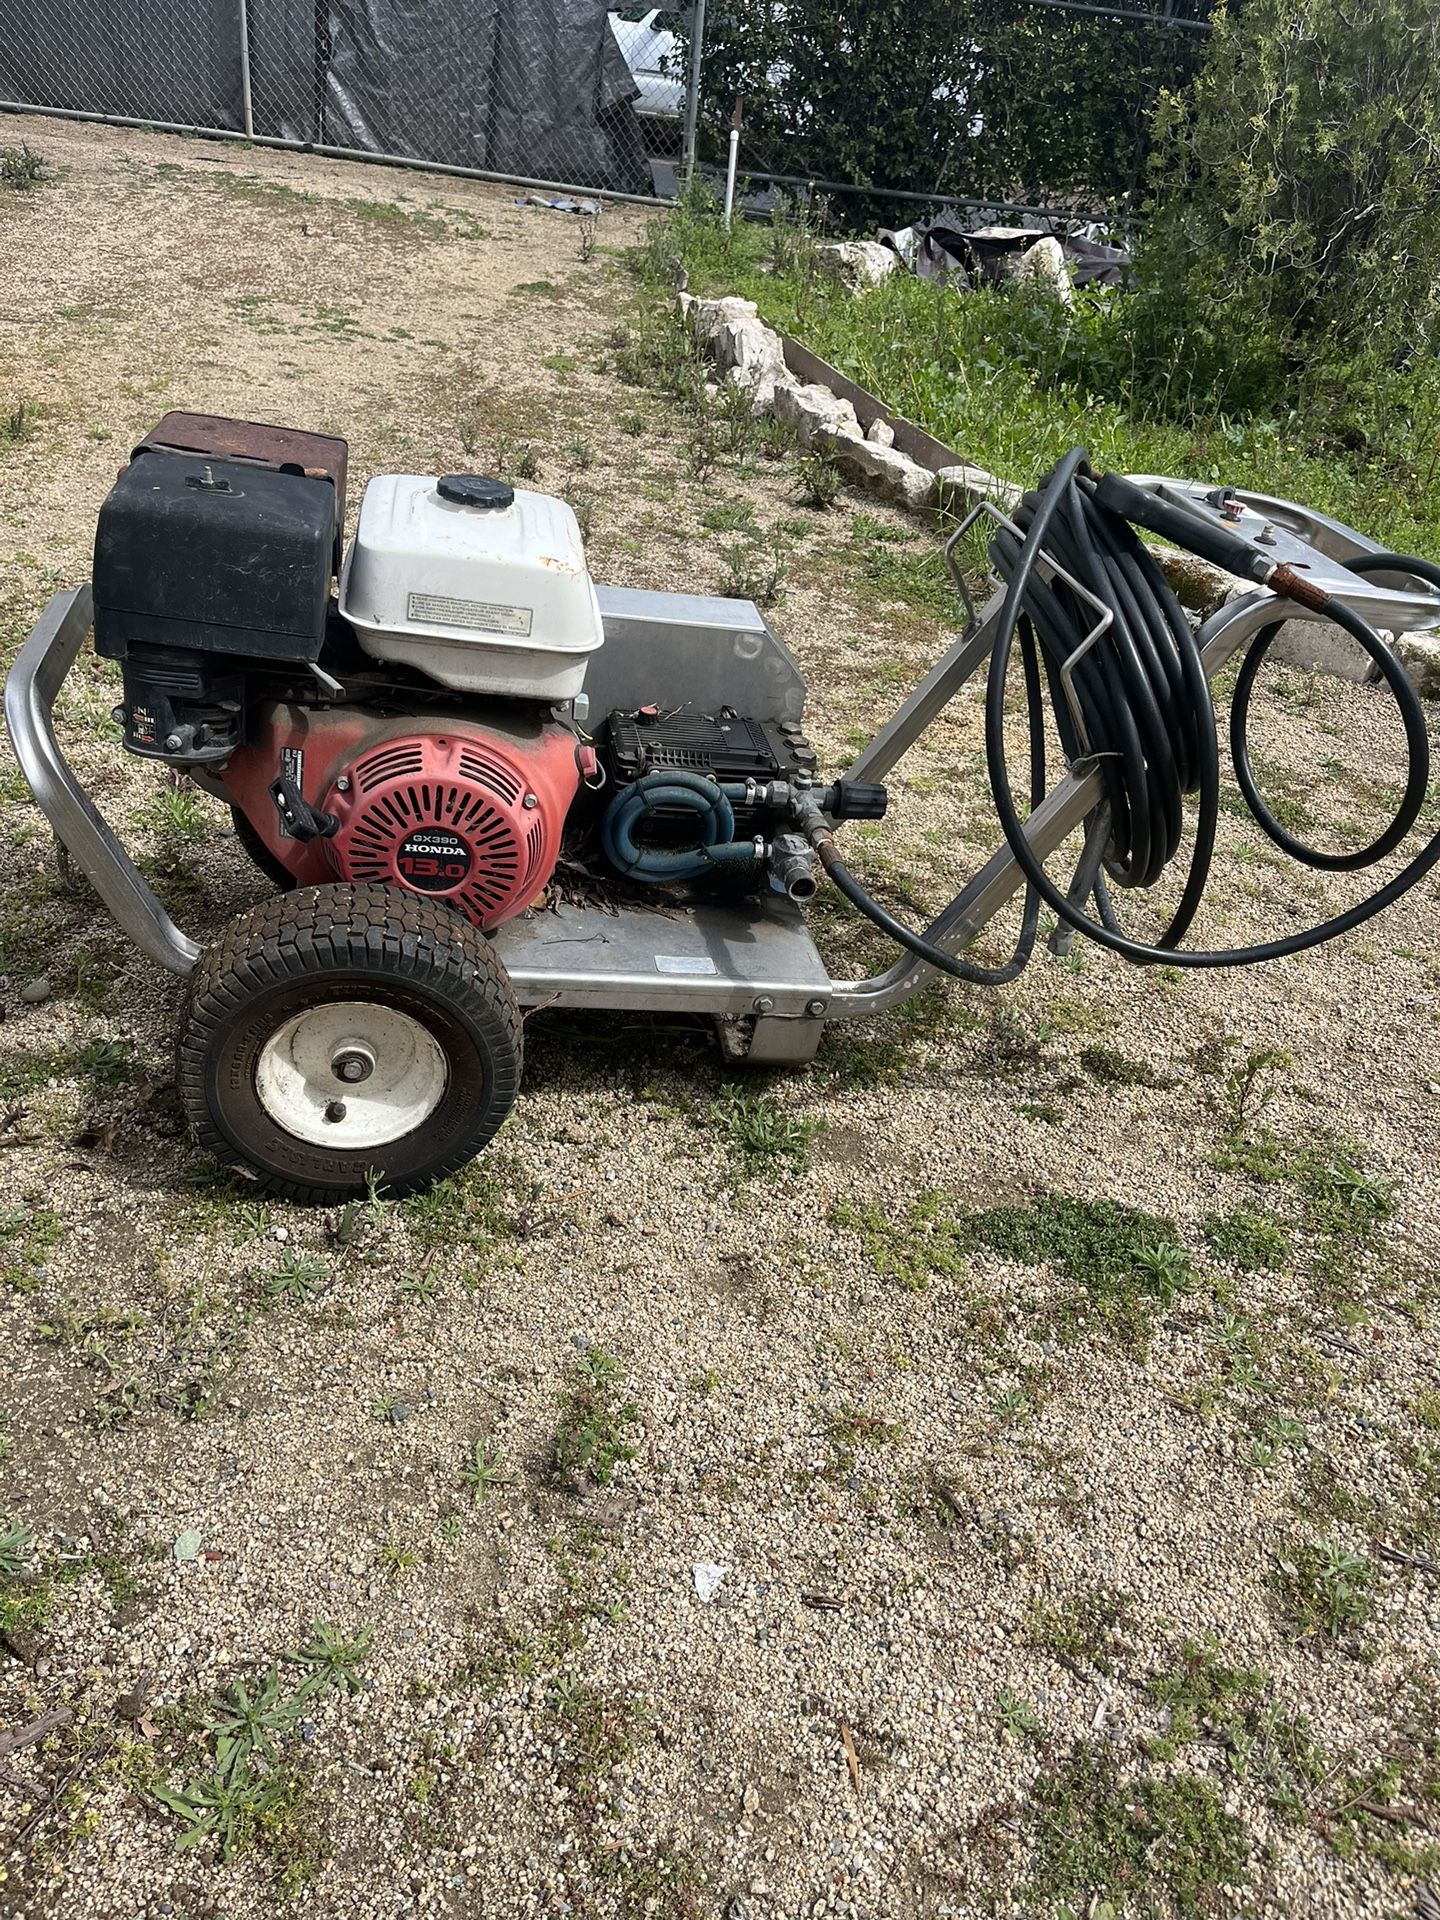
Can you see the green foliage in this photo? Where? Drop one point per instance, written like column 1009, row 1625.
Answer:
column 21, row 168
column 1325, row 1587
column 1012, row 380
column 16, row 1544
column 299, row 1276
column 923, row 1245
column 482, row 1472
column 759, row 1134
column 1248, row 1240
column 1203, row 1692
column 1296, row 236
column 1086, row 1627
column 590, row 1439
column 1125, row 1260
column 979, row 97
column 329, row 1661
column 1098, row 1836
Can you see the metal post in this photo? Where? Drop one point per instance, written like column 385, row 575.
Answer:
column 247, row 111
column 692, row 97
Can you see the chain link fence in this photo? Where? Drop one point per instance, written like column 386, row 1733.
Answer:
column 563, row 94
column 880, row 114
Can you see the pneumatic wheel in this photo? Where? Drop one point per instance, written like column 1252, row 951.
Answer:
column 341, row 1035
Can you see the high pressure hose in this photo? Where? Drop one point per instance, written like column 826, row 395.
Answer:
column 1142, row 713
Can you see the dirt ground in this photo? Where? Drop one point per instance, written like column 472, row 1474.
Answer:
column 1073, row 1562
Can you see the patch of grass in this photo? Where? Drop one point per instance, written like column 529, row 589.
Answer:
column 1325, row 1587
column 923, row 1245
column 848, row 1429
column 914, row 576
column 730, row 516
column 1101, row 1837
column 470, row 1213
column 819, row 481
column 18, row 423
column 175, row 813
column 21, row 169
column 755, row 570
column 1086, row 1629
column 28, row 1233
column 590, row 1439
column 1202, row 1693
column 759, row 1134
column 1114, row 1069
column 1014, row 381
column 1124, row 1261
column 541, row 289
column 1253, row 1242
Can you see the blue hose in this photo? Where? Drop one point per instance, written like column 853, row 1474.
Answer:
column 714, row 821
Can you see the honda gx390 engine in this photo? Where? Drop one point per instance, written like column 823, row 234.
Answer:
column 430, row 729
column 465, row 726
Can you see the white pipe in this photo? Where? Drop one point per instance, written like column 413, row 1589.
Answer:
column 730, row 174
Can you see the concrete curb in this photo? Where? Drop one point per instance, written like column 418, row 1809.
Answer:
column 749, row 355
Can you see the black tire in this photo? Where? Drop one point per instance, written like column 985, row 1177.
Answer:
column 348, row 944
column 260, row 854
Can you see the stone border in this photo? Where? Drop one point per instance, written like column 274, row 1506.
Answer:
column 749, row 355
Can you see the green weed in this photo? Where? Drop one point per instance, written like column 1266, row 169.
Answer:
column 1253, row 1242
column 590, row 1440
column 330, row 1662
column 759, row 1134
column 1101, row 1837
column 21, row 168
column 482, row 1472
column 1085, row 1628
column 1325, row 1587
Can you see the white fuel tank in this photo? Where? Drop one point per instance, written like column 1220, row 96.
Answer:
column 481, row 586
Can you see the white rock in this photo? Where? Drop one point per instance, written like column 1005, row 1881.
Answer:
column 707, row 1577
column 1420, row 656
column 814, row 413
column 954, row 485
column 884, row 469
column 858, row 264
column 880, row 433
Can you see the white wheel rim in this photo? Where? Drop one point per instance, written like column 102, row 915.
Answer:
column 301, row 1075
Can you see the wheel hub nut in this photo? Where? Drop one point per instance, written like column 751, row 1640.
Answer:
column 335, row 1111
column 352, row 1063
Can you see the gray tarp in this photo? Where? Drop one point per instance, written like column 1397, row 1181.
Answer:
column 534, row 88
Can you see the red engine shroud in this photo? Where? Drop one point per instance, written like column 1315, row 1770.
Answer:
column 463, row 810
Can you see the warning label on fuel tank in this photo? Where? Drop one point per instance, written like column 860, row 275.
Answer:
column 439, row 609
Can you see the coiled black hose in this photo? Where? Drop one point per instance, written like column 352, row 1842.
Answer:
column 1142, row 711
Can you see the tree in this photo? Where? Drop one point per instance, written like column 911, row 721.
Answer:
column 967, row 97
column 1296, row 222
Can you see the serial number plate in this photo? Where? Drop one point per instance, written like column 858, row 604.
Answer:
column 683, row 963
column 478, row 615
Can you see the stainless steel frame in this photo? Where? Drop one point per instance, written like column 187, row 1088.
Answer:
column 753, row 966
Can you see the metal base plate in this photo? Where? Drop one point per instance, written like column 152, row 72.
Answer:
column 706, row 959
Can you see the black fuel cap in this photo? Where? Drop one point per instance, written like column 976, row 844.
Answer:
column 475, row 490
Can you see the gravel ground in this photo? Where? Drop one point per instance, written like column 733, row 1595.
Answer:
column 1054, row 1571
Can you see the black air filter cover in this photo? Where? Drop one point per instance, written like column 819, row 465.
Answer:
column 219, row 555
